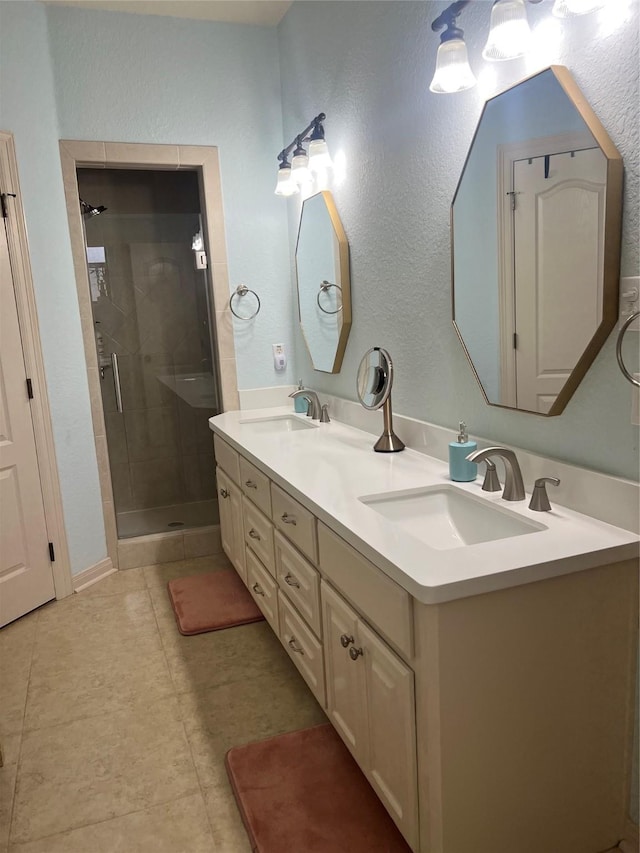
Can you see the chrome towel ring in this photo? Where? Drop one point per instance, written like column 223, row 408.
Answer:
column 621, row 363
column 240, row 291
column 324, row 287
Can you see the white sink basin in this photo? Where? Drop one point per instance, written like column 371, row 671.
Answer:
column 278, row 424
column 446, row 517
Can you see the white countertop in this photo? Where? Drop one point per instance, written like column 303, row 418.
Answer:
column 330, row 467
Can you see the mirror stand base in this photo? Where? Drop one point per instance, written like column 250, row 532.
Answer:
column 388, row 441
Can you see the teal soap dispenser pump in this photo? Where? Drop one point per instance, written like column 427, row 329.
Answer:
column 460, row 469
column 299, row 403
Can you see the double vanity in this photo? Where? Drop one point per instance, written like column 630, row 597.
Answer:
column 476, row 657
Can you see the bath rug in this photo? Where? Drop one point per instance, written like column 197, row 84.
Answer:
column 302, row 792
column 209, row 602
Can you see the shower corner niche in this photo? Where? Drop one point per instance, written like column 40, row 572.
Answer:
column 323, row 282
column 536, row 226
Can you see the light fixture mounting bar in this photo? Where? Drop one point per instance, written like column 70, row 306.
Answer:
column 302, row 136
column 448, row 17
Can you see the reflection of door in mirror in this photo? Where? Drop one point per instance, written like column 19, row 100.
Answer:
column 322, row 268
column 551, row 267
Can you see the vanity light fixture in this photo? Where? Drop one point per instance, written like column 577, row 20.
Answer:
column 509, row 35
column 299, row 172
column 573, row 8
column 453, row 72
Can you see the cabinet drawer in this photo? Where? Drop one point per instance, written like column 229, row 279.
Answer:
column 258, row 534
column 227, row 458
column 296, row 522
column 264, row 590
column 255, row 485
column 303, row 648
column 299, row 581
column 380, row 600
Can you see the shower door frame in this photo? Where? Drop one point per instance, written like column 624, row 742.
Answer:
column 204, row 160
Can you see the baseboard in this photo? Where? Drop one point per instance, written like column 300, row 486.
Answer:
column 93, row 574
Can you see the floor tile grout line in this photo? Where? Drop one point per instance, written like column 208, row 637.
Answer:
column 105, row 820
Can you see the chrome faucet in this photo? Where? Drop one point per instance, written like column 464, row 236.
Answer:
column 513, row 485
column 314, row 408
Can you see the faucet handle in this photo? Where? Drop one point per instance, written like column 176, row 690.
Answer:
column 491, row 483
column 324, row 417
column 540, row 499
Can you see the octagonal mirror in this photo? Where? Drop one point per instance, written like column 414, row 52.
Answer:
column 324, row 290
column 535, row 243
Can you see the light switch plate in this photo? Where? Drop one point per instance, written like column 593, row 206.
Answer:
column 629, row 301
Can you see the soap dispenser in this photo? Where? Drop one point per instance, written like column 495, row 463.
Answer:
column 460, row 469
column 300, row 404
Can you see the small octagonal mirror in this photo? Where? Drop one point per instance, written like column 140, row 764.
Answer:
column 324, row 290
column 535, row 243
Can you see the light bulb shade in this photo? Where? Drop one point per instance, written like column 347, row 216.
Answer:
column 453, row 72
column 319, row 157
column 572, row 8
column 300, row 168
column 509, row 35
column 285, row 185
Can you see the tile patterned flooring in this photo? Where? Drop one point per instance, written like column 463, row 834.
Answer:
column 114, row 727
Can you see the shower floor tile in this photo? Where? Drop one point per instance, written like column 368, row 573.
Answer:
column 165, row 519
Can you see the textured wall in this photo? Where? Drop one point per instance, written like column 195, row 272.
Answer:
column 27, row 109
column 368, row 65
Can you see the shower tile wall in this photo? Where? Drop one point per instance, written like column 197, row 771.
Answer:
column 149, row 305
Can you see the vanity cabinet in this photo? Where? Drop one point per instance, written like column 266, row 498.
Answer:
column 231, row 525
column 371, row 702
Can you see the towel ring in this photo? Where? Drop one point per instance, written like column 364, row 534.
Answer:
column 242, row 290
column 324, row 286
column 621, row 334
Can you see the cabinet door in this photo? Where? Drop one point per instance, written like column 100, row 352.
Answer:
column 391, row 721
column 226, row 519
column 239, row 557
column 344, row 676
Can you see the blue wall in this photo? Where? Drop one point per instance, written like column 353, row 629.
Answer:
column 368, row 65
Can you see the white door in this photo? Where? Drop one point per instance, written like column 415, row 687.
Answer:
column 26, row 576
column 559, row 247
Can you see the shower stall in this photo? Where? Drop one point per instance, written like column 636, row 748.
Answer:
column 154, row 336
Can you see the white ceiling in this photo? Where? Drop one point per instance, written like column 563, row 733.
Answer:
column 265, row 13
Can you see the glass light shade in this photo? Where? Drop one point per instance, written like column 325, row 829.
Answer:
column 319, row 157
column 453, row 72
column 510, row 35
column 572, row 8
column 285, row 185
column 300, row 169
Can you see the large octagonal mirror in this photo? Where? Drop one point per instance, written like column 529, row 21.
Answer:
column 324, row 290
column 535, row 243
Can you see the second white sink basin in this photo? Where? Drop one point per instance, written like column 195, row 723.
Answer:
column 278, row 424
column 446, row 517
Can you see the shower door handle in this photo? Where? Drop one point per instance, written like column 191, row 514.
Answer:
column 116, row 381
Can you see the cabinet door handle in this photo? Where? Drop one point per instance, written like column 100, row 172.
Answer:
column 257, row 589
column 355, row 653
column 291, row 581
column 224, row 493
column 346, row 640
column 294, row 648
column 250, row 484
column 288, row 519
column 254, row 534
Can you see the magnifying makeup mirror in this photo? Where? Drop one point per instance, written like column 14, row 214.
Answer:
column 374, row 381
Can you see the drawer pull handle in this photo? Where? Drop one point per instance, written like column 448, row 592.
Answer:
column 291, row 581
column 257, row 589
column 288, row 519
column 294, row 648
column 224, row 493
column 254, row 534
column 354, row 653
column 250, row 484
column 346, row 640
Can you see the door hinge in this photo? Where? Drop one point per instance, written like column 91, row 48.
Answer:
column 52, row 553
column 513, row 195
column 3, row 200
column 515, row 340
column 29, row 389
